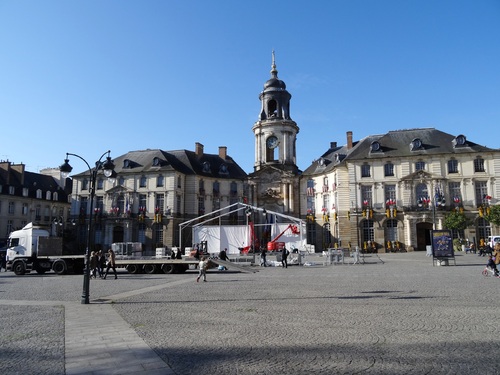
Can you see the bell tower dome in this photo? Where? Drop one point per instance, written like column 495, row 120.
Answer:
column 275, row 131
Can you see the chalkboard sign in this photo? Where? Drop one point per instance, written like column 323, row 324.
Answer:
column 442, row 244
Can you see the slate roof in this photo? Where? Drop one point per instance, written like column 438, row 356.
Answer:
column 395, row 144
column 182, row 161
column 34, row 182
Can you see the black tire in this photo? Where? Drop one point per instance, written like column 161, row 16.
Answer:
column 132, row 268
column 19, row 268
column 168, row 268
column 149, row 268
column 59, row 267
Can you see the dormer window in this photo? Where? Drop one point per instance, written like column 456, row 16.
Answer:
column 126, row 163
column 223, row 169
column 157, row 162
column 375, row 146
column 321, row 162
column 459, row 141
column 416, row 144
column 206, row 167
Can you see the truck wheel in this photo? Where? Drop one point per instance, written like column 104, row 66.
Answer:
column 59, row 267
column 132, row 268
column 167, row 268
column 149, row 268
column 19, row 268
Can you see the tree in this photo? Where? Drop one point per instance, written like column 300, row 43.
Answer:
column 456, row 221
column 493, row 215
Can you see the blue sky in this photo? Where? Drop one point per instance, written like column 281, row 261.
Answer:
column 88, row 76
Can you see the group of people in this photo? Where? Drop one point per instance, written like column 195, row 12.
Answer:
column 284, row 257
column 98, row 263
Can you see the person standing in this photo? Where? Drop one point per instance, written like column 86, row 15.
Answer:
column 111, row 264
column 263, row 254
column 101, row 263
column 93, row 265
column 284, row 256
column 202, row 265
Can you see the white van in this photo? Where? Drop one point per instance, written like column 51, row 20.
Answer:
column 492, row 240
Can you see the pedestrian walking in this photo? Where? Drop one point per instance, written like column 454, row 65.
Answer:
column 202, row 266
column 111, row 264
column 284, row 256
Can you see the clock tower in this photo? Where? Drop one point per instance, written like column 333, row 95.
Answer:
column 274, row 182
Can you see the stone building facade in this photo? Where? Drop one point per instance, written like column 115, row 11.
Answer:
column 41, row 198
column 153, row 192
column 387, row 192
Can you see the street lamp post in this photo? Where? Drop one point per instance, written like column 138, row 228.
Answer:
column 107, row 167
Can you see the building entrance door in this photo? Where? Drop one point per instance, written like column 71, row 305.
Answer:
column 423, row 235
column 118, row 234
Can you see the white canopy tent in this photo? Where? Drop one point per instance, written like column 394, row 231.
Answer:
column 235, row 237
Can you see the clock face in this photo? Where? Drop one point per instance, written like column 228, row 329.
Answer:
column 272, row 142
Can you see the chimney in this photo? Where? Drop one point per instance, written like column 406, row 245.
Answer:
column 19, row 170
column 333, row 144
column 5, row 171
column 222, row 152
column 198, row 149
column 349, row 140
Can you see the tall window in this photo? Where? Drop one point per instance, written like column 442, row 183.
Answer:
column 160, row 202
column 483, row 229
column 216, row 196
column 142, row 200
column 48, row 195
column 481, row 192
column 179, row 178
column 455, row 193
column 366, row 195
column 310, row 196
column 368, row 234
column 327, row 236
column 391, row 230
column 98, row 234
column 159, row 235
column 84, row 204
column 365, row 170
column 142, row 182
column 389, row 169
column 159, row 181
column 420, row 166
column 479, row 164
column 120, row 203
column 25, row 209
column 201, row 204
column 100, row 184
column 178, row 203
column 141, row 234
column 12, row 207
column 85, row 184
column 390, row 193
column 39, row 194
column 421, row 191
column 10, row 226
column 326, row 202
column 99, row 204
column 38, row 212
column 452, row 166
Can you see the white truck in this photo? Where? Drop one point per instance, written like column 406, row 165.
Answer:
column 32, row 248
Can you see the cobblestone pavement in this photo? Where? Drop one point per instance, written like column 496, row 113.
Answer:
column 395, row 314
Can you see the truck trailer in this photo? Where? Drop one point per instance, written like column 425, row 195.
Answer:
column 33, row 249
